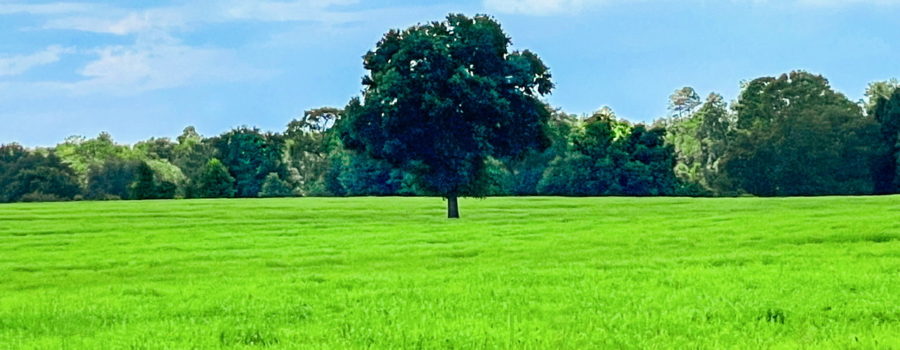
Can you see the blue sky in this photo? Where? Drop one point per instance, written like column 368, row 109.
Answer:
column 143, row 69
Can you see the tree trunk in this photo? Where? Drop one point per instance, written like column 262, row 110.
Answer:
column 452, row 207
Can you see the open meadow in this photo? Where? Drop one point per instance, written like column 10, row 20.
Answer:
column 533, row 272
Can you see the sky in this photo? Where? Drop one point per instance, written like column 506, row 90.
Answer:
column 141, row 69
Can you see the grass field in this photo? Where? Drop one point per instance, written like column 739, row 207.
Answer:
column 394, row 273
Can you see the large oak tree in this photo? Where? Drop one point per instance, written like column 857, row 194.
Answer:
column 440, row 98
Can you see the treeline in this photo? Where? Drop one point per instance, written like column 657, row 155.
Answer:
column 783, row 136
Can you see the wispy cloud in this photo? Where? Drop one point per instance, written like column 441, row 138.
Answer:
column 121, row 22
column 125, row 70
column 157, row 59
column 15, row 65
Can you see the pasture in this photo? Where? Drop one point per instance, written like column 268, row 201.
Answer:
column 539, row 273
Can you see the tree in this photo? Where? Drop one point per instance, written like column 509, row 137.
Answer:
column 250, row 156
column 310, row 143
column 682, row 135
column 360, row 175
column 587, row 168
column 700, row 142
column 144, row 186
column 274, row 186
column 215, row 181
column 440, row 98
column 111, row 180
column 794, row 135
column 714, row 133
column 523, row 176
column 612, row 157
column 879, row 90
column 683, row 102
column 156, row 148
column 648, row 169
column 81, row 153
column 10, row 153
column 35, row 176
column 886, row 111
column 191, row 155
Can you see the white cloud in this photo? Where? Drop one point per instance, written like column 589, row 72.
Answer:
column 127, row 70
column 156, row 60
column 154, row 20
column 15, row 65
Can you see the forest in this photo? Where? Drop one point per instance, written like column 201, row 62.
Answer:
column 791, row 135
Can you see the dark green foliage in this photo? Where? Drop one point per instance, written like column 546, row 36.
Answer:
column 700, row 140
column 332, row 183
column 612, row 157
column 215, row 181
column 714, row 134
column 448, row 111
column 111, row 180
column 796, row 136
column 588, row 169
column 157, row 148
column 166, row 190
column 274, row 186
column 522, row 176
column 11, row 153
column 577, row 174
column 363, row 176
column 441, row 98
column 34, row 176
column 147, row 186
column 143, row 186
column 648, row 168
column 250, row 156
column 191, row 155
column 311, row 144
column 886, row 170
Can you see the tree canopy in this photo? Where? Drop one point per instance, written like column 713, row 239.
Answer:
column 449, row 109
column 796, row 136
column 440, row 98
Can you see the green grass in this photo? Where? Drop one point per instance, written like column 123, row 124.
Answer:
column 394, row 273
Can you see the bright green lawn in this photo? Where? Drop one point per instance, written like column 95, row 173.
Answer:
column 394, row 273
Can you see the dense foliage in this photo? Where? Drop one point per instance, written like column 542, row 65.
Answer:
column 612, row 157
column 441, row 99
column 794, row 135
column 786, row 135
column 448, row 109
